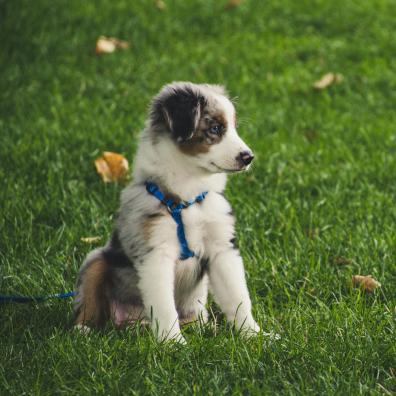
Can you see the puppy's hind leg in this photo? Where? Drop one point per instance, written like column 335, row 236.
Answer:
column 92, row 304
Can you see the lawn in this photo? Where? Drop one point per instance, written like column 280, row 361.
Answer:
column 318, row 207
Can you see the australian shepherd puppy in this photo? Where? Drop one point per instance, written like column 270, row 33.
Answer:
column 189, row 145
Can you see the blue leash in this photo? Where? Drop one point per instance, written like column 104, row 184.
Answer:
column 175, row 211
column 23, row 299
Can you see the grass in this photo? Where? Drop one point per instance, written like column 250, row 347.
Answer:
column 322, row 191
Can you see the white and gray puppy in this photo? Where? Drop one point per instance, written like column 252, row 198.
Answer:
column 188, row 146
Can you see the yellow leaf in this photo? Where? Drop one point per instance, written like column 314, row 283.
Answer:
column 93, row 239
column 112, row 167
column 161, row 5
column 107, row 45
column 327, row 80
column 367, row 283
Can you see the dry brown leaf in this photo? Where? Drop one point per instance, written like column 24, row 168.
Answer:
column 112, row 167
column 107, row 45
column 104, row 46
column 327, row 80
column 93, row 239
column 233, row 4
column 367, row 283
column 161, row 5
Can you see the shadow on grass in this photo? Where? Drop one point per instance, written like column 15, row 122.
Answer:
column 40, row 319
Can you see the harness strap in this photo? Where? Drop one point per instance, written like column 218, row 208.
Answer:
column 175, row 211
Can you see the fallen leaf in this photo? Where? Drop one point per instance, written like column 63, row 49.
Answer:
column 367, row 283
column 107, row 45
column 161, row 5
column 93, row 239
column 233, row 4
column 327, row 80
column 112, row 167
column 104, row 46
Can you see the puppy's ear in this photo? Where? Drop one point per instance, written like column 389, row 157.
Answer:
column 182, row 111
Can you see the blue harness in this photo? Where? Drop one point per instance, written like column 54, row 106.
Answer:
column 175, row 211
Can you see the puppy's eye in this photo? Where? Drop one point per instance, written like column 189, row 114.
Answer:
column 216, row 129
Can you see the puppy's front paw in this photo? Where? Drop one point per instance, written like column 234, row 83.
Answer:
column 248, row 327
column 251, row 329
column 169, row 333
column 176, row 337
column 180, row 339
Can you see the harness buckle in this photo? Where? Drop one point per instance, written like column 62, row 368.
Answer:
column 173, row 208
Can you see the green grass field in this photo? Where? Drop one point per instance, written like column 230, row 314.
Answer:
column 318, row 207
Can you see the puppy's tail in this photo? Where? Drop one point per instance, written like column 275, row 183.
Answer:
column 92, row 306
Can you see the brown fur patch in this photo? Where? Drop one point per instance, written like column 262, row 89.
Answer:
column 94, row 310
column 174, row 197
column 196, row 145
column 202, row 139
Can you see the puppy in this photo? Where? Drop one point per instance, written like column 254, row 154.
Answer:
column 174, row 236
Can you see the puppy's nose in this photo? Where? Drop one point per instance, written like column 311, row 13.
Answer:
column 246, row 157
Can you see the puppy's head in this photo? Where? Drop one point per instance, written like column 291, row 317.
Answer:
column 200, row 120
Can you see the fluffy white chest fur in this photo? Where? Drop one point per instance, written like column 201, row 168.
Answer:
column 201, row 223
column 189, row 145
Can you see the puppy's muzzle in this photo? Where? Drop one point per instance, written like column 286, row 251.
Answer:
column 245, row 158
